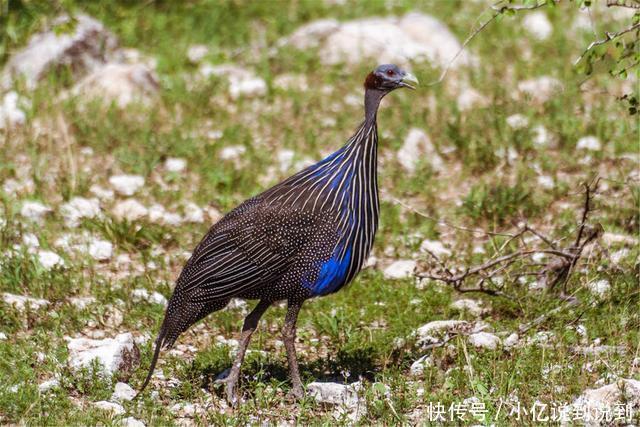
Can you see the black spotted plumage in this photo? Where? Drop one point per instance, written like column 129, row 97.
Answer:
column 305, row 237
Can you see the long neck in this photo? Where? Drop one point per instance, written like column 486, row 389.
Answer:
column 372, row 99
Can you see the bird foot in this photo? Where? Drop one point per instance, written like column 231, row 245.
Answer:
column 231, row 391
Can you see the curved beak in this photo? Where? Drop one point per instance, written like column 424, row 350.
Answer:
column 409, row 80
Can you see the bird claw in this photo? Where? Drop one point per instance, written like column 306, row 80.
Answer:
column 231, row 394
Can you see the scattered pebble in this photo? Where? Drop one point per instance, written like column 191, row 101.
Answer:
column 113, row 354
column 20, row 302
column 541, row 89
column 517, row 121
column 471, row 306
column 511, row 340
column 590, row 143
column 173, row 164
column 196, row 53
column 400, row 269
column 123, row 392
column 599, row 287
column 101, row 250
column 126, row 185
column 130, row 210
column 142, row 294
column 79, row 208
column 546, row 182
column 48, row 259
column 11, row 115
column 417, row 145
column 48, row 385
column 34, row 211
column 435, row 247
column 232, row 152
column 484, row 340
column 114, row 408
column 417, row 367
column 538, row 25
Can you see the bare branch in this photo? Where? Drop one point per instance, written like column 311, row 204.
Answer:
column 499, row 9
column 609, row 36
column 631, row 4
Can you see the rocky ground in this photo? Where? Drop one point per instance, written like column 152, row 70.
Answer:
column 127, row 130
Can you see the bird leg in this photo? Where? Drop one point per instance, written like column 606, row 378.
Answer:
column 289, row 338
column 250, row 325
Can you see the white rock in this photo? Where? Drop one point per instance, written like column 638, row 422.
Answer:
column 193, row 213
column 48, row 385
column 113, row 354
column 430, row 332
column 484, row 340
column 34, row 211
column 130, row 210
column 237, row 304
column 417, row 367
column 599, row 287
column 470, row 98
column 84, row 48
column 30, row 240
column 101, row 192
column 123, row 392
column 400, row 269
column 126, row 185
column 613, row 239
column 114, row 408
column 232, row 152
column 511, row 340
column 132, row 422
column 517, row 121
column 79, row 208
column 142, row 294
column 593, row 403
column 618, row 256
column 413, row 37
column 335, row 393
column 537, row 24
column 82, row 302
column 541, row 137
column 435, row 247
column 590, row 143
column 546, row 182
column 3, row 336
column 470, row 305
column 540, row 89
column 121, row 84
column 20, row 302
column 185, row 409
column 158, row 214
column 247, row 87
column 101, row 250
column 11, row 115
column 294, row 82
column 310, row 35
column 173, row 164
column 285, row 159
column 416, row 146
column 197, row 52
column 49, row 259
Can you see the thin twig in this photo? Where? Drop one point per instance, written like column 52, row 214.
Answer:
column 499, row 10
column 609, row 36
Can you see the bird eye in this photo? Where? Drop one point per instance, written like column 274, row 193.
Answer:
column 390, row 73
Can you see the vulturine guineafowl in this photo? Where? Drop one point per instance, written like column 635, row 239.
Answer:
column 305, row 237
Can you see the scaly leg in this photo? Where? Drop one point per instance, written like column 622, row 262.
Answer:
column 250, row 325
column 289, row 338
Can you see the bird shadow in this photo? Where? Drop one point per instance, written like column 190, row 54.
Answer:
column 345, row 366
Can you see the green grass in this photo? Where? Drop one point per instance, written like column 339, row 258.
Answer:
column 364, row 331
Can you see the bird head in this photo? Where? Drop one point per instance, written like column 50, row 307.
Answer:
column 388, row 77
